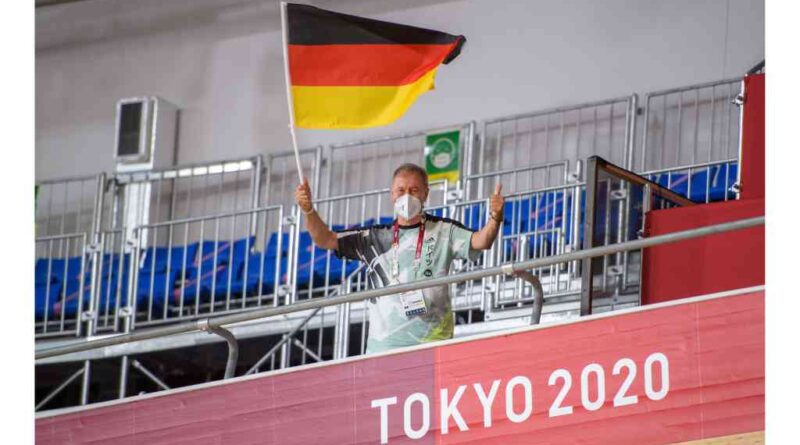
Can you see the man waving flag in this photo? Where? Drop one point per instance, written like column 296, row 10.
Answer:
column 346, row 71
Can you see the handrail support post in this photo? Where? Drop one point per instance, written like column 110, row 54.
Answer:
column 233, row 345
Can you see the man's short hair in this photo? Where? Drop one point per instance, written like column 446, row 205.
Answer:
column 412, row 168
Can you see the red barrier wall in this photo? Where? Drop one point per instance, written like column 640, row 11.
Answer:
column 689, row 370
column 753, row 138
column 715, row 263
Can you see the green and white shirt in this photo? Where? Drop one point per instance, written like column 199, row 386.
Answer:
column 445, row 240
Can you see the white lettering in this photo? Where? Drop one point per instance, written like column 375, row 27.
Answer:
column 593, row 405
column 426, row 415
column 486, row 401
column 526, row 386
column 652, row 394
column 556, row 409
column 383, row 404
column 450, row 409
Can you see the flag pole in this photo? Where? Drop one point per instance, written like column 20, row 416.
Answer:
column 285, row 31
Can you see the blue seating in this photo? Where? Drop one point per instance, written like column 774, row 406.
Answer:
column 722, row 182
column 47, row 298
column 61, row 269
column 709, row 181
column 272, row 245
column 157, row 286
column 158, row 258
column 260, row 275
column 42, row 274
column 208, row 275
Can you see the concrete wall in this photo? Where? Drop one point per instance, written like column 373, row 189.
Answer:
column 220, row 61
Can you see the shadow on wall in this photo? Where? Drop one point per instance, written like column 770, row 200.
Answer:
column 80, row 22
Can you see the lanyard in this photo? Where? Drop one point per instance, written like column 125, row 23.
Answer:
column 396, row 245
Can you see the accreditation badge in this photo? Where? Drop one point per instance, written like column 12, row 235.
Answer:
column 413, row 303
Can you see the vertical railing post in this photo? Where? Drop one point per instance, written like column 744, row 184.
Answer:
column 317, row 172
column 481, row 155
column 588, row 235
column 123, row 376
column 630, row 129
column 85, row 382
column 293, row 221
column 645, row 132
column 95, row 251
column 466, row 161
column 134, row 245
column 739, row 101
column 341, row 338
column 255, row 184
column 255, row 188
column 647, row 204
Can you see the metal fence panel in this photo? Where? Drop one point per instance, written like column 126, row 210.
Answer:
column 690, row 125
column 62, row 284
column 193, row 267
column 367, row 165
column 186, row 191
column 66, row 205
column 561, row 134
column 280, row 176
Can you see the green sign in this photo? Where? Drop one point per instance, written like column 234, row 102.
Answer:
column 443, row 155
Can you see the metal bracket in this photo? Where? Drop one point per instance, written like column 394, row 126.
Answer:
column 736, row 188
column 455, row 195
column 125, row 312
column 129, row 244
column 88, row 315
column 93, row 248
column 615, row 270
column 289, row 220
column 619, row 194
column 283, row 290
column 738, row 100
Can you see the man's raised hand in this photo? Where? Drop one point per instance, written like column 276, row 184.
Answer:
column 496, row 203
column 302, row 196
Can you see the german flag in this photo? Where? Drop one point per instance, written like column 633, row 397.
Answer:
column 352, row 72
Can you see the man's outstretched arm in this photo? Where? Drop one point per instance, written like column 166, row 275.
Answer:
column 322, row 236
column 484, row 238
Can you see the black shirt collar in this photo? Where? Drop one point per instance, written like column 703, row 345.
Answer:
column 412, row 226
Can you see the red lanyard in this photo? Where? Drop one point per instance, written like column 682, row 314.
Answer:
column 420, row 238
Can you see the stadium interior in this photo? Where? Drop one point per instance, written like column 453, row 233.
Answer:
column 178, row 206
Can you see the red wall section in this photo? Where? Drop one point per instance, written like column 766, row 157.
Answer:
column 715, row 263
column 753, row 138
column 617, row 392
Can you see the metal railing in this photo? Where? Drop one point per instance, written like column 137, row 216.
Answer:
column 363, row 165
column 62, row 272
column 569, row 133
column 532, row 177
column 311, row 304
column 217, row 325
column 703, row 182
column 279, row 178
column 617, row 201
column 192, row 267
column 67, row 205
column 512, row 143
column 182, row 191
column 690, row 125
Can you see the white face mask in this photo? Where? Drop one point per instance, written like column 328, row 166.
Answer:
column 407, row 206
